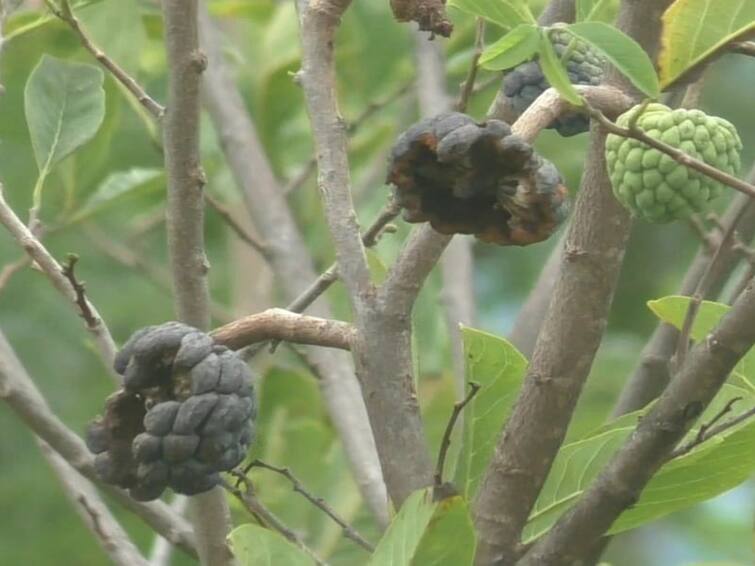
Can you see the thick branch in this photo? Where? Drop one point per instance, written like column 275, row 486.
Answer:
column 280, row 324
column 19, row 392
column 97, row 517
column 570, row 335
column 318, row 22
column 632, row 467
column 185, row 227
column 291, row 262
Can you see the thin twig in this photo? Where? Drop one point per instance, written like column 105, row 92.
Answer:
column 66, row 14
column 348, row 531
column 79, row 288
column 468, row 87
column 676, row 154
column 702, row 289
column 744, row 47
column 706, row 429
column 10, row 269
column 446, row 441
column 266, row 517
column 228, row 218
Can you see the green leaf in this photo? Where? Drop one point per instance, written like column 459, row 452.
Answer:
column 64, row 104
column 673, row 310
column 694, row 30
column 253, row 545
column 450, row 536
column 506, row 13
column 516, row 46
column 622, row 52
column 555, row 73
column 719, row 465
column 597, row 10
column 118, row 185
column 499, row 368
column 401, row 540
column 575, row 466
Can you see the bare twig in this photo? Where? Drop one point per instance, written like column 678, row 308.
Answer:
column 708, row 430
column 280, row 324
column 108, row 532
column 468, row 87
column 21, row 394
column 185, row 226
column 79, row 289
column 676, row 154
column 620, row 483
column 348, row 531
column 228, row 218
column 54, row 272
column 161, row 553
column 66, row 14
column 10, row 269
column 268, row 519
column 743, row 47
column 445, row 442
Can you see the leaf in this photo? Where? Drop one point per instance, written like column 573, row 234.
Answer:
column 506, row 13
column 555, row 73
column 65, row 105
column 576, row 465
column 596, row 10
column 253, row 545
column 115, row 186
column 499, row 368
column 694, row 30
column 516, row 46
column 450, row 536
column 719, row 465
column 401, row 540
column 622, row 52
column 673, row 310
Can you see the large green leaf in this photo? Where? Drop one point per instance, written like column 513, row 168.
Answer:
column 253, row 545
column 505, row 13
column 554, row 71
column 516, row 46
column 116, row 186
column 696, row 29
column 596, row 10
column 64, row 104
column 622, row 52
column 499, row 368
column 402, row 539
column 718, row 466
column 575, row 466
column 673, row 310
column 450, row 536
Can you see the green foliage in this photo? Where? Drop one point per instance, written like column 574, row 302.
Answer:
column 497, row 366
column 694, row 30
column 65, row 105
column 519, row 45
column 428, row 533
column 554, row 70
column 651, row 183
column 621, row 51
column 253, row 545
column 505, row 13
column 596, row 10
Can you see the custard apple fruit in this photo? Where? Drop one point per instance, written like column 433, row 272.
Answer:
column 654, row 186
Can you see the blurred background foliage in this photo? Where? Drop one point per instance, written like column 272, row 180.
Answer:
column 120, row 240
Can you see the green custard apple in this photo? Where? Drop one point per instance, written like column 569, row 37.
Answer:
column 654, row 186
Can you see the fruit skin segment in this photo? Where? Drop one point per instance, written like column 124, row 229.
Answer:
column 654, row 186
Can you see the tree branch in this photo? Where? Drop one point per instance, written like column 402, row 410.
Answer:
column 291, row 262
column 185, row 226
column 318, row 22
column 571, row 333
column 280, row 324
column 620, row 483
column 18, row 390
column 54, row 272
column 97, row 517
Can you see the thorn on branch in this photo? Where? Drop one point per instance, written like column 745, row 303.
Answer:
column 438, row 485
column 348, row 531
column 79, row 288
